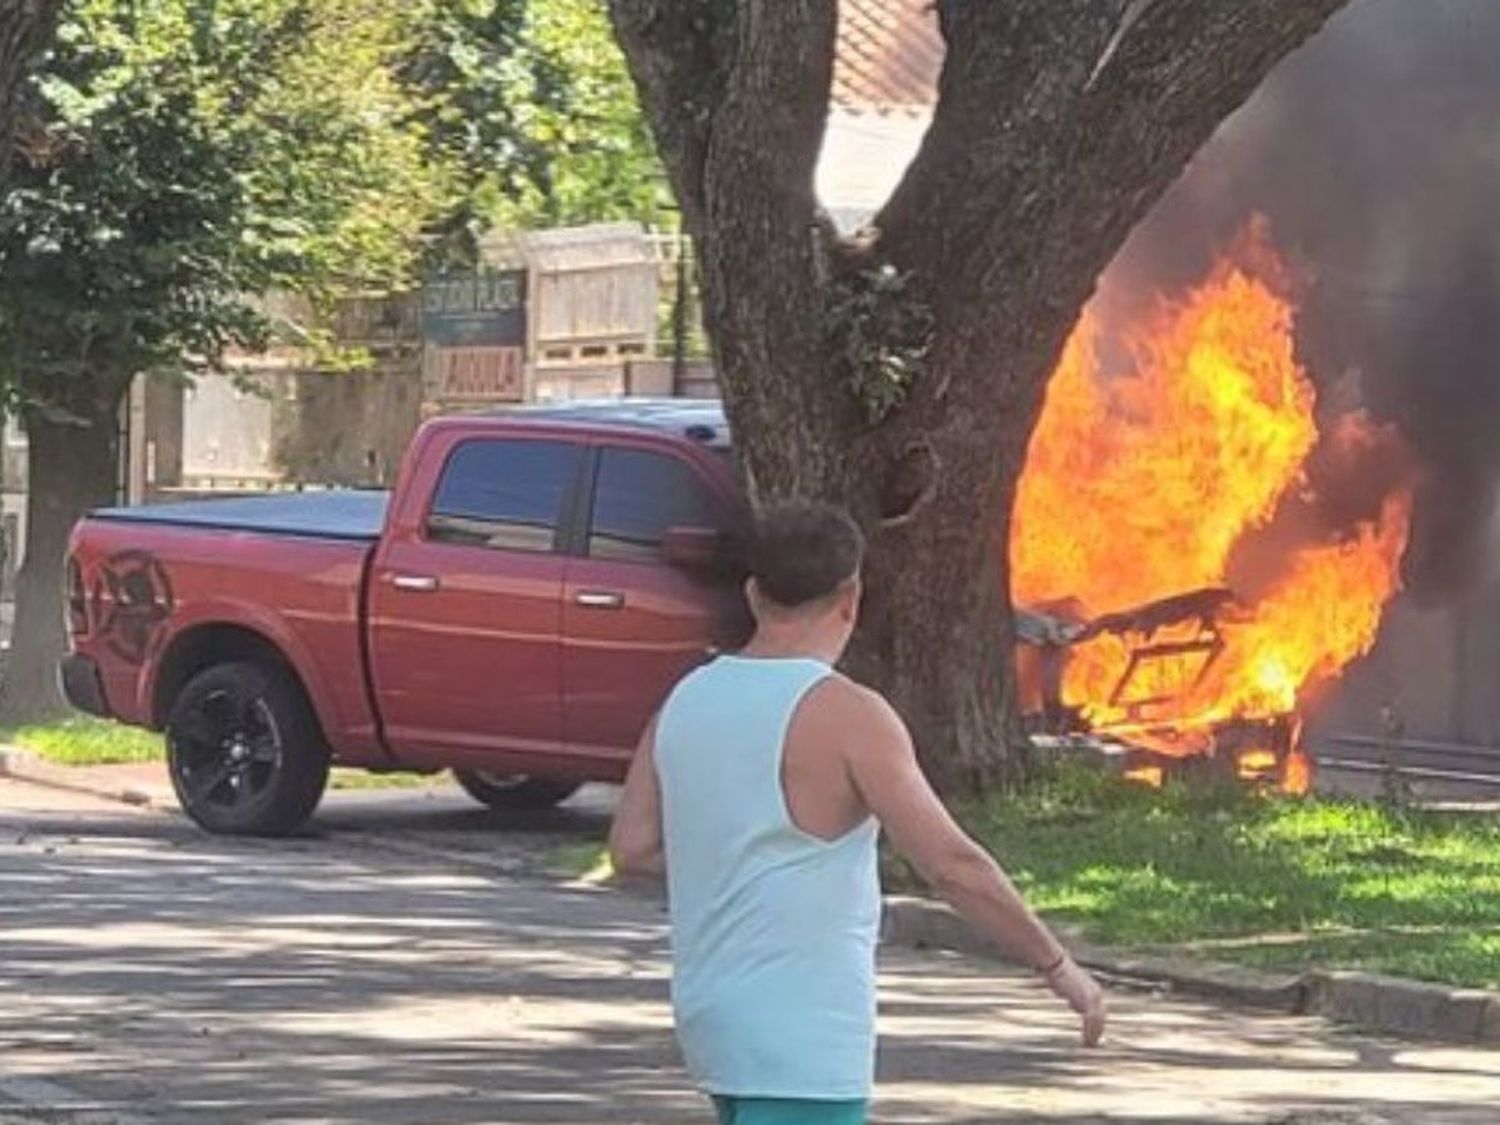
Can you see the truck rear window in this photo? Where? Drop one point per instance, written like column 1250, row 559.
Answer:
column 504, row 494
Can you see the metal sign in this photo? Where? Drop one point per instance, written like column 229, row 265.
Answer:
column 475, row 310
column 474, row 332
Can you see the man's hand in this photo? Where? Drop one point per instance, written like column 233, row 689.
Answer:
column 1083, row 994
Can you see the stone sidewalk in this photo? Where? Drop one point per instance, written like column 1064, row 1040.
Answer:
column 1369, row 1001
column 133, row 783
column 152, row 974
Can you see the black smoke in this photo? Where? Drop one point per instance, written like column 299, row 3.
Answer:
column 1375, row 154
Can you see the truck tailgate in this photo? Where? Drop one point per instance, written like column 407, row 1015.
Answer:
column 287, row 569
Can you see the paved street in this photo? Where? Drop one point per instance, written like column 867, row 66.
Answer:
column 150, row 974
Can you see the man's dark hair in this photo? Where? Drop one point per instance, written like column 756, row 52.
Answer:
column 803, row 552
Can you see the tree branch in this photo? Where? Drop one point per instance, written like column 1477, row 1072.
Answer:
column 765, row 251
column 738, row 97
column 740, row 87
column 1060, row 122
column 680, row 54
column 1004, row 93
column 768, row 130
column 1178, row 72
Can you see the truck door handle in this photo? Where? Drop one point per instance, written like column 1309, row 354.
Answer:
column 415, row 583
column 600, row 599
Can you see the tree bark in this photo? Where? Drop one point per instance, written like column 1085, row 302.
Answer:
column 26, row 29
column 73, row 465
column 1059, row 122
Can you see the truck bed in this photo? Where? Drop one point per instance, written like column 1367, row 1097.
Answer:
column 345, row 514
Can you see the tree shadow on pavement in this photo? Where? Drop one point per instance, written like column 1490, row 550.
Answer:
column 185, row 979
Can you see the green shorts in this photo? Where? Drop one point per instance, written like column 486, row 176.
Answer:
column 789, row 1111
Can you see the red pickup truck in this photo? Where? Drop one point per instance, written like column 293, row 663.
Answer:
column 514, row 610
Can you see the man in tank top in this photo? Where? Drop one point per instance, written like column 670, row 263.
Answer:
column 759, row 791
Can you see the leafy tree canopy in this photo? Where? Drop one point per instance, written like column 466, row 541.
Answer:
column 531, row 104
column 187, row 154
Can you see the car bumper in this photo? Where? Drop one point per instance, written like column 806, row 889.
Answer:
column 83, row 685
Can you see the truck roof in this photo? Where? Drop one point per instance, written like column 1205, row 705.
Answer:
column 700, row 420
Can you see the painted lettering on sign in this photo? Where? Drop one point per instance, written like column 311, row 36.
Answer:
column 475, row 374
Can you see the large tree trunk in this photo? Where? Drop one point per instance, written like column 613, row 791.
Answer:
column 936, row 639
column 73, row 464
column 1058, row 123
column 26, row 27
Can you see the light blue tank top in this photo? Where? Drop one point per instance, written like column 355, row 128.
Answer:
column 773, row 929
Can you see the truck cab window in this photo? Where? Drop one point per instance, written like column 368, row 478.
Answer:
column 505, row 495
column 638, row 496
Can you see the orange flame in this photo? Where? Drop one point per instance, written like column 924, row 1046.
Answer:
column 1147, row 473
column 1297, row 778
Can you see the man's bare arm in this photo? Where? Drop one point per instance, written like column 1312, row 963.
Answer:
column 884, row 767
column 635, row 837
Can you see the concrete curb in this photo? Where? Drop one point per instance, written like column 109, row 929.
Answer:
column 1367, row 1000
column 925, row 924
column 24, row 766
column 1371, row 1002
column 1405, row 1007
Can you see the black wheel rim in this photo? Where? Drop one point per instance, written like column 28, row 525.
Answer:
column 226, row 752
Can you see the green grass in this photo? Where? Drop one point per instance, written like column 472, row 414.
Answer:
column 1228, row 875
column 87, row 742
column 344, row 778
column 587, row 858
column 1265, row 881
column 93, row 742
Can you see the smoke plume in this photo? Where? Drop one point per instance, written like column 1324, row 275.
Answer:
column 1375, row 154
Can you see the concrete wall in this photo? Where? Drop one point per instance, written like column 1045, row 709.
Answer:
column 280, row 419
column 12, row 504
column 153, row 453
column 309, row 427
column 1435, row 670
column 226, row 431
column 350, row 428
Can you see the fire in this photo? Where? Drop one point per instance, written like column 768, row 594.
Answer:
column 1153, row 776
column 1169, row 453
column 1168, row 464
column 1297, row 780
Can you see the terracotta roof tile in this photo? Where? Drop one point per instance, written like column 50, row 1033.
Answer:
column 889, row 55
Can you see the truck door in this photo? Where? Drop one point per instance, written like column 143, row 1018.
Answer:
column 632, row 624
column 466, row 604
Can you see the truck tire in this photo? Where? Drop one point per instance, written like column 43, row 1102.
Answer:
column 515, row 792
column 246, row 754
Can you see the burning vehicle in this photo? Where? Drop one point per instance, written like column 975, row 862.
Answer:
column 1203, row 539
column 1180, row 632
